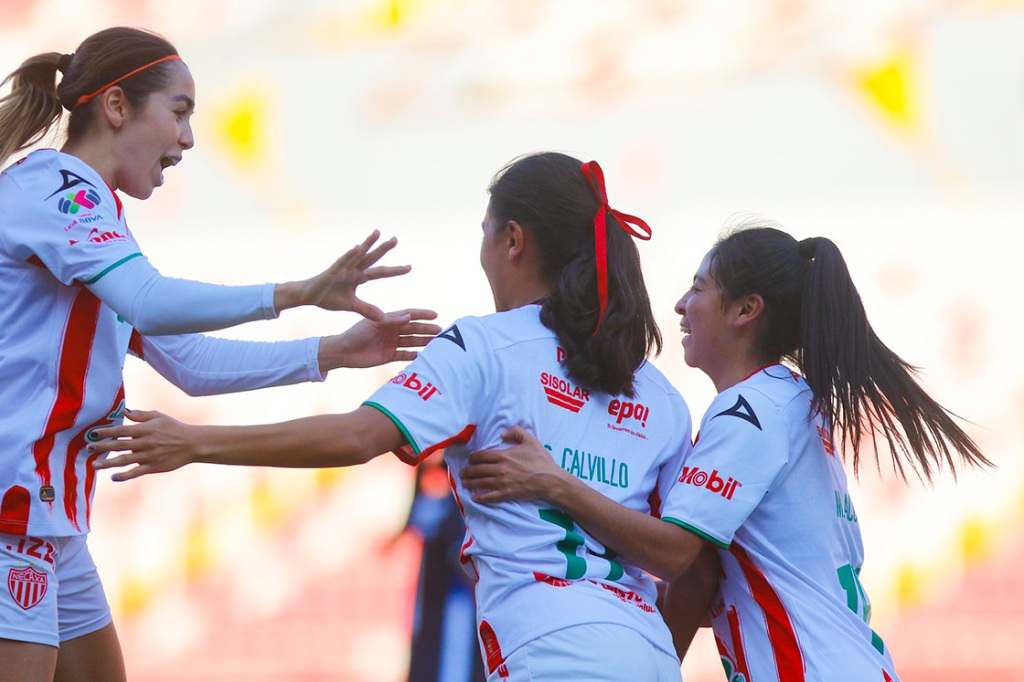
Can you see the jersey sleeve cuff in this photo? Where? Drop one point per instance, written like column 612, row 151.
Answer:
column 408, row 453
column 269, row 312
column 313, row 360
column 698, row 532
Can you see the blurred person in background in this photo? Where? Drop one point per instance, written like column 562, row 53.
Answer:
column 444, row 621
column 79, row 295
column 764, row 483
column 566, row 354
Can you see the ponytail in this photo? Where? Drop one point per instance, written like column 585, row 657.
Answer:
column 861, row 385
column 549, row 195
column 814, row 317
column 32, row 107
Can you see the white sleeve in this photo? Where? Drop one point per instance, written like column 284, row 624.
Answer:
column 742, row 448
column 156, row 305
column 207, row 365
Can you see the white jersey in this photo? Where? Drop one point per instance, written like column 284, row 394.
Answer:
column 61, row 349
column 537, row 570
column 764, row 484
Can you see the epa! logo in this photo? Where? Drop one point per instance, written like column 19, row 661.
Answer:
column 74, row 201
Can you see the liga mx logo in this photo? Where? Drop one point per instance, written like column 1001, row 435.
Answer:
column 27, row 586
column 73, row 202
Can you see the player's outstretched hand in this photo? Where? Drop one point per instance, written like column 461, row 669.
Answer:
column 525, row 471
column 155, row 444
column 369, row 343
column 335, row 287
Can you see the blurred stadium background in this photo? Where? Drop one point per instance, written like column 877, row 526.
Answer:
column 894, row 127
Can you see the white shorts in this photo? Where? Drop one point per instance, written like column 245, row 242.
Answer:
column 594, row 652
column 51, row 590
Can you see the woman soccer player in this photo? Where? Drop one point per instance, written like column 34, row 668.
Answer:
column 79, row 295
column 566, row 355
column 765, row 482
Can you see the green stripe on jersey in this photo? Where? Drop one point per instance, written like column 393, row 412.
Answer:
column 108, row 269
column 695, row 531
column 398, row 423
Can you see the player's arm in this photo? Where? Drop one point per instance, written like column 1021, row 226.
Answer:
column 158, row 443
column 527, row 472
column 206, row 365
column 156, row 305
column 688, row 598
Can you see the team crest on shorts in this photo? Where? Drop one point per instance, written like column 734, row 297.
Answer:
column 27, row 586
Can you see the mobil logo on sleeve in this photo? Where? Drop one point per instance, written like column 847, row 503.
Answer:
column 418, row 385
column 710, row 481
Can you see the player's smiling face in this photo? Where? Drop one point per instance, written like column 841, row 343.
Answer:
column 703, row 320
column 154, row 136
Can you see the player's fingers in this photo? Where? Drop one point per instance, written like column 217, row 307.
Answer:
column 367, row 310
column 517, row 434
column 481, row 457
column 489, row 497
column 405, row 356
column 386, row 271
column 376, row 254
column 134, row 472
column 480, row 480
column 115, row 461
column 355, row 255
column 414, row 340
column 421, row 314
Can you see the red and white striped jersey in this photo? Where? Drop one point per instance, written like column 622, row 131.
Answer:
column 62, row 350
column 537, row 570
column 765, row 485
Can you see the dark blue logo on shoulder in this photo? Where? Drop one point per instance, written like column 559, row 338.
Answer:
column 69, row 180
column 743, row 410
column 454, row 335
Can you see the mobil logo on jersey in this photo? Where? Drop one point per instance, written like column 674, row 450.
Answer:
column 417, row 384
column 27, row 586
column 712, row 481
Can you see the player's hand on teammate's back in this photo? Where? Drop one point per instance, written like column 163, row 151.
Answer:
column 335, row 287
column 525, row 471
column 369, row 343
column 156, row 443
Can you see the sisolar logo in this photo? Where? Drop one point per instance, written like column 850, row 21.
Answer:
column 562, row 393
column 73, row 202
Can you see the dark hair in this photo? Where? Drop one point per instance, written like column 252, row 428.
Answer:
column 814, row 317
column 548, row 195
column 34, row 104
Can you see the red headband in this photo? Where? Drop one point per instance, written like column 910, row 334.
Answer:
column 85, row 98
column 595, row 179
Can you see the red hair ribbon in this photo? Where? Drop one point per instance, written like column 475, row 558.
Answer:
column 595, row 179
column 85, row 98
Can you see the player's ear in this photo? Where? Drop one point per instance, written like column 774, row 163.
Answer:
column 114, row 106
column 747, row 309
column 515, row 239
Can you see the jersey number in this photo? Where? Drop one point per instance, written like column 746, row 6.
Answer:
column 857, row 599
column 575, row 565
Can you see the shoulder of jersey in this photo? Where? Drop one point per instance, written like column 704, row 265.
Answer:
column 499, row 329
column 762, row 396
column 46, row 173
